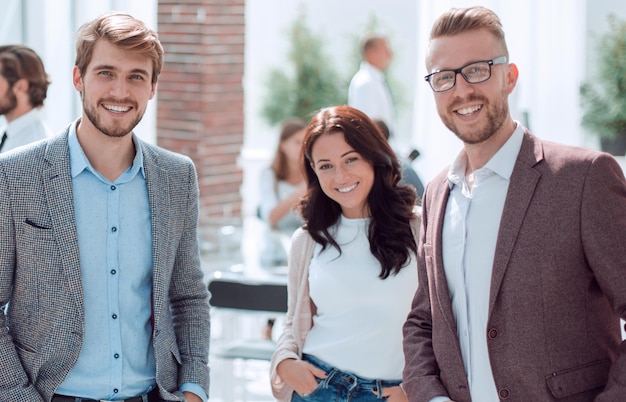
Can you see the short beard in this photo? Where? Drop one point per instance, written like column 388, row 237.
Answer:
column 495, row 120
column 116, row 132
column 11, row 104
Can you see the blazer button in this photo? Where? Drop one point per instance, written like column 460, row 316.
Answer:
column 493, row 333
column 504, row 393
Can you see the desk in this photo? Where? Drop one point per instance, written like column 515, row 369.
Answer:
column 249, row 294
column 245, row 292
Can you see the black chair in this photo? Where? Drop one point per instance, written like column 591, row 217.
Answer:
column 243, row 294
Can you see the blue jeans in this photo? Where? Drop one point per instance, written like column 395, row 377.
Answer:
column 343, row 386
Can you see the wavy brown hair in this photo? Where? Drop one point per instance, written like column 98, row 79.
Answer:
column 390, row 203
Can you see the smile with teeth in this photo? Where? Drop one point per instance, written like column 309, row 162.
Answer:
column 347, row 189
column 119, row 109
column 469, row 110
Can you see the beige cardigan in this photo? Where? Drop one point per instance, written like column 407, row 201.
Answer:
column 300, row 308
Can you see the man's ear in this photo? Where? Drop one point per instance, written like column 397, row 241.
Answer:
column 511, row 77
column 21, row 86
column 77, row 79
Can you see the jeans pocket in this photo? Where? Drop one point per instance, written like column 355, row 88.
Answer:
column 311, row 396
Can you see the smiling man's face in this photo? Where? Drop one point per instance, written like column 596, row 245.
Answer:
column 115, row 89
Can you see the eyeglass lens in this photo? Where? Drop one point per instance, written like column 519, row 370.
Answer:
column 472, row 73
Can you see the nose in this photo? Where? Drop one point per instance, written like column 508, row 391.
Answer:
column 461, row 86
column 341, row 174
column 119, row 88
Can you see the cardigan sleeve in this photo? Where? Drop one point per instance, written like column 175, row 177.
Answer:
column 299, row 317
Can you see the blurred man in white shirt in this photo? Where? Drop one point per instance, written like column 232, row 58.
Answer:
column 23, row 88
column 368, row 90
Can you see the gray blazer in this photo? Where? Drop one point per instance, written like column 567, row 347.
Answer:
column 40, row 274
column 557, row 287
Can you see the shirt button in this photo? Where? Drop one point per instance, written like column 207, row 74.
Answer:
column 114, row 316
column 117, row 355
column 115, row 390
column 113, row 229
column 113, row 187
column 113, row 272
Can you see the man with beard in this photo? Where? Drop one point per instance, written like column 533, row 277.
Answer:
column 521, row 263
column 23, row 88
column 99, row 260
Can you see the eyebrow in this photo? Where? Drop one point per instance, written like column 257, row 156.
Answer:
column 341, row 156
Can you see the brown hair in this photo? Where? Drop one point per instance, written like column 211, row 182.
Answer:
column 459, row 20
column 121, row 30
column 289, row 128
column 370, row 41
column 390, row 203
column 17, row 62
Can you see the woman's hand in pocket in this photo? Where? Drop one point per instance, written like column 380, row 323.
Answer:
column 300, row 375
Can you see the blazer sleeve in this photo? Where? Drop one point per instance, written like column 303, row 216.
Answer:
column 299, row 317
column 189, row 296
column 603, row 232
column 420, row 378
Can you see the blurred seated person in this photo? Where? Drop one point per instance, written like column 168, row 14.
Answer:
column 280, row 188
column 409, row 176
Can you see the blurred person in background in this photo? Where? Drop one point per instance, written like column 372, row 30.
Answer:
column 280, row 187
column 409, row 176
column 23, row 89
column 368, row 90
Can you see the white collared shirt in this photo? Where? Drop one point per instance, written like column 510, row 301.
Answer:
column 369, row 93
column 27, row 128
column 470, row 234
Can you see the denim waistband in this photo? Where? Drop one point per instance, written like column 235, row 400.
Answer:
column 350, row 379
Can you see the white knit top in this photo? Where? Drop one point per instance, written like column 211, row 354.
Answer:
column 358, row 326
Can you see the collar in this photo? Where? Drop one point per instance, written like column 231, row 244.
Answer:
column 23, row 121
column 79, row 161
column 376, row 73
column 501, row 163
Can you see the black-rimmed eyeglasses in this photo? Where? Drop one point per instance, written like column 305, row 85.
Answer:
column 474, row 72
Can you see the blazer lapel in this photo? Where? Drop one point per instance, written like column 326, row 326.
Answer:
column 57, row 184
column 520, row 193
column 158, row 195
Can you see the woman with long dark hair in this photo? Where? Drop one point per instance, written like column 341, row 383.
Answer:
column 352, row 267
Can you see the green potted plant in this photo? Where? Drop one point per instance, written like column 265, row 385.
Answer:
column 308, row 83
column 603, row 97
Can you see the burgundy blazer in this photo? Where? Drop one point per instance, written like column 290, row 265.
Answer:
column 557, row 290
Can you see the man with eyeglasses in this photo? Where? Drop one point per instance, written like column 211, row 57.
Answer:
column 521, row 262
